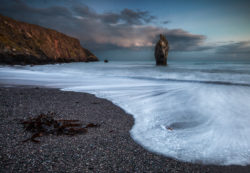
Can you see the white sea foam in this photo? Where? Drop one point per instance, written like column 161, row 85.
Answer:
column 192, row 112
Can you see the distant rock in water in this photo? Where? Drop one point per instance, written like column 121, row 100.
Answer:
column 161, row 51
column 106, row 61
column 23, row 43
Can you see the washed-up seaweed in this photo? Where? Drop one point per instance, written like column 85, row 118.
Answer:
column 45, row 124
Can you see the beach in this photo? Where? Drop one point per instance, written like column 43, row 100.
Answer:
column 124, row 86
column 108, row 148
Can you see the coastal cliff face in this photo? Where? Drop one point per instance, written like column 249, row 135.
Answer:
column 161, row 51
column 23, row 43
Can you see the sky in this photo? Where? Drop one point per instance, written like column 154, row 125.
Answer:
column 128, row 30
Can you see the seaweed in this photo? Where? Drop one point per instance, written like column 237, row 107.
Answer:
column 45, row 124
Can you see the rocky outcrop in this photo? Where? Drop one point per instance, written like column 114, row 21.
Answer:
column 161, row 51
column 23, row 43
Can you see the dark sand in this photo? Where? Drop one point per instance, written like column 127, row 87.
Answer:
column 106, row 149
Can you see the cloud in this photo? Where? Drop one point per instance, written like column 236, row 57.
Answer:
column 181, row 40
column 126, row 16
column 166, row 22
column 242, row 47
column 136, row 17
column 129, row 29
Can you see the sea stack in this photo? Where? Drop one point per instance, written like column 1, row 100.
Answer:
column 161, row 51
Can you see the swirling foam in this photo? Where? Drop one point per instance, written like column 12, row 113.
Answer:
column 188, row 112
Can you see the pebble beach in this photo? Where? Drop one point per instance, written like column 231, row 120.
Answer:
column 108, row 148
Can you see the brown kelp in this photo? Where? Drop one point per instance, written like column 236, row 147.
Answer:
column 45, row 124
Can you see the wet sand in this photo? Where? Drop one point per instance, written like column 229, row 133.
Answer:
column 108, row 148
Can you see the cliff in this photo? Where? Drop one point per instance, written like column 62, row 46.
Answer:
column 23, row 43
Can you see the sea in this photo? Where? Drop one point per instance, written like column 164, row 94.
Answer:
column 190, row 111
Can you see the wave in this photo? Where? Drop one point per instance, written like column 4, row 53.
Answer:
column 194, row 116
column 194, row 81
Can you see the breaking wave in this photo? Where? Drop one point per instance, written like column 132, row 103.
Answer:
column 191, row 112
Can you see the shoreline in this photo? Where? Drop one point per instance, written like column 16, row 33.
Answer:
column 106, row 149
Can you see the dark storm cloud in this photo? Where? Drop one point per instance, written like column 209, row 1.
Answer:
column 136, row 17
column 166, row 22
column 235, row 48
column 126, row 16
column 84, row 11
column 181, row 40
column 21, row 9
column 47, row 17
column 128, row 28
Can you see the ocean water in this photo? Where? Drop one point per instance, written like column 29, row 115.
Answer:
column 191, row 111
